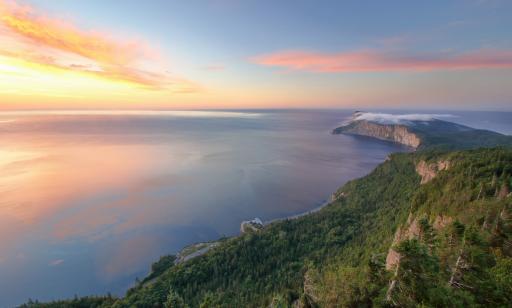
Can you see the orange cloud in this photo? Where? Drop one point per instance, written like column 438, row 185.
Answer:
column 36, row 38
column 373, row 61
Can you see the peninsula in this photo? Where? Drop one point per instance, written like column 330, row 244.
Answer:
column 419, row 131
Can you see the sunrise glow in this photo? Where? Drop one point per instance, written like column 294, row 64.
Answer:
column 56, row 57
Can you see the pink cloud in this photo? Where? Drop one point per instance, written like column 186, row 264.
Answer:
column 33, row 36
column 375, row 61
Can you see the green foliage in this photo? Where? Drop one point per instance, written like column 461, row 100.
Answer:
column 340, row 287
column 502, row 275
column 447, row 136
column 159, row 267
column 174, row 301
column 210, row 300
column 82, row 302
column 415, row 276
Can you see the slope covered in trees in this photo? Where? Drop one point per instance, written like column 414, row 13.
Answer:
column 456, row 251
column 250, row 270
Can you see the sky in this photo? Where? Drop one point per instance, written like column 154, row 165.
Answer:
column 234, row 54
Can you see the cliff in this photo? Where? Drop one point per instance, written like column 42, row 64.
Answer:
column 390, row 132
column 428, row 171
column 420, row 131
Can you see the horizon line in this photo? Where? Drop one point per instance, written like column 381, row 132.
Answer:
column 183, row 111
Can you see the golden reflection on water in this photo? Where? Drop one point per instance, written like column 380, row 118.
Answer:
column 39, row 181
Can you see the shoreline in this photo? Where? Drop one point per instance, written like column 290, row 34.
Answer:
column 207, row 246
column 302, row 214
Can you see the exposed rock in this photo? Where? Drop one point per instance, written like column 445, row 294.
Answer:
column 392, row 259
column 337, row 196
column 504, row 192
column 419, row 131
column 428, row 171
column 251, row 225
column 194, row 250
column 309, row 289
column 333, row 197
column 391, row 132
column 442, row 221
column 409, row 231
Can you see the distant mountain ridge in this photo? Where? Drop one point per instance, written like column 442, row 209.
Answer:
column 420, row 131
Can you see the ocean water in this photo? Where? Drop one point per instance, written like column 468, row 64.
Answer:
column 88, row 200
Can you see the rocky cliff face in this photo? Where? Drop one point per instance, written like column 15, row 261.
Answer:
column 428, row 171
column 420, row 131
column 409, row 231
column 390, row 132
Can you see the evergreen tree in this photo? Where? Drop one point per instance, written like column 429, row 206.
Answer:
column 174, row 300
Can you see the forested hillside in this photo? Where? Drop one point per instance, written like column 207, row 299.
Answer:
column 425, row 228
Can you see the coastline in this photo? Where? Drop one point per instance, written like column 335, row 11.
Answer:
column 183, row 257
column 200, row 248
column 299, row 215
column 400, row 138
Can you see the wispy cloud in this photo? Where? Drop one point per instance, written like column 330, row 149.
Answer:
column 378, row 61
column 32, row 36
column 387, row 118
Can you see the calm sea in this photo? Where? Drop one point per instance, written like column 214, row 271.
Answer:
column 88, row 200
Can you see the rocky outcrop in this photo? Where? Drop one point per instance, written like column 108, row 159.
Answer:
column 420, row 131
column 337, row 196
column 391, row 132
column 442, row 221
column 409, row 231
column 251, row 225
column 428, row 171
column 193, row 251
column 504, row 192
